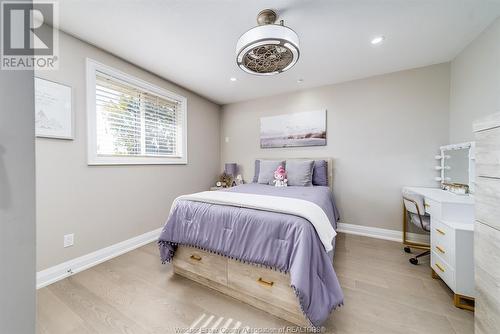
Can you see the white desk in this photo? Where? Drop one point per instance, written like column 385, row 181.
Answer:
column 452, row 237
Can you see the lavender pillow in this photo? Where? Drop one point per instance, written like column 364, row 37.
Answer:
column 320, row 173
column 266, row 170
column 257, row 170
column 299, row 172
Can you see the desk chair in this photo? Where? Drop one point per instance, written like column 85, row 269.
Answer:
column 415, row 213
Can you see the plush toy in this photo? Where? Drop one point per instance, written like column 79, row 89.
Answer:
column 280, row 177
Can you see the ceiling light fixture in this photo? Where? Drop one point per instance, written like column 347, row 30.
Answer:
column 269, row 48
column 377, row 40
column 233, row 79
column 300, row 80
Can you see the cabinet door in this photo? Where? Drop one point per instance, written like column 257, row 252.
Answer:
column 487, row 274
column 488, row 153
column 487, row 201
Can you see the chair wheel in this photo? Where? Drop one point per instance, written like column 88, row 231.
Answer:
column 414, row 261
column 407, row 249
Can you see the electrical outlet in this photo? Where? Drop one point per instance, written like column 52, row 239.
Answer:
column 69, row 240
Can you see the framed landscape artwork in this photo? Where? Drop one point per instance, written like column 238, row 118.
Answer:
column 53, row 110
column 293, row 130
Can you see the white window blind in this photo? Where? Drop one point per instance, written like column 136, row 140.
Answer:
column 134, row 124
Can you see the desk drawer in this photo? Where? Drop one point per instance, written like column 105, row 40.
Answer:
column 443, row 269
column 265, row 284
column 432, row 208
column 443, row 247
column 202, row 263
column 442, row 235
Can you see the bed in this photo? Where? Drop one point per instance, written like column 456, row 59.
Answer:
column 267, row 246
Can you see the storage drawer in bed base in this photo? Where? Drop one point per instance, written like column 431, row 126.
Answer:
column 278, row 298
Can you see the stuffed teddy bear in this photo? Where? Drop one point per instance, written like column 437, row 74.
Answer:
column 280, row 177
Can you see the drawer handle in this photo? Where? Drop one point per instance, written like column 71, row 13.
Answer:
column 440, row 249
column 439, row 267
column 195, row 257
column 440, row 231
column 427, row 205
column 264, row 282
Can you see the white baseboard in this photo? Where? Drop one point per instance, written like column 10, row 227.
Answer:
column 380, row 233
column 68, row 268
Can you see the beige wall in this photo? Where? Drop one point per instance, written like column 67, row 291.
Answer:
column 104, row 205
column 383, row 133
column 475, row 83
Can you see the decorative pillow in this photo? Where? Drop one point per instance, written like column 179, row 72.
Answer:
column 320, row 173
column 299, row 172
column 266, row 170
column 257, row 171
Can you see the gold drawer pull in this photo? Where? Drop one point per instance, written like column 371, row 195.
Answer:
column 440, row 231
column 439, row 267
column 440, row 249
column 264, row 282
column 195, row 257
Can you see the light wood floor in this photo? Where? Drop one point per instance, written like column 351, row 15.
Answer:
column 134, row 293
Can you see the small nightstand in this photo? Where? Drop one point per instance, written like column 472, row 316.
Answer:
column 215, row 188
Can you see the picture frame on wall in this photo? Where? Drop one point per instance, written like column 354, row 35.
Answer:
column 293, row 130
column 53, row 110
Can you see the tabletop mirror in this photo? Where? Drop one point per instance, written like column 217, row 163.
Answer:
column 457, row 168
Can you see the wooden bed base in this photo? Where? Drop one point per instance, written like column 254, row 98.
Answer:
column 263, row 288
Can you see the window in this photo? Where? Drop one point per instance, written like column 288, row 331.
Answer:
column 131, row 121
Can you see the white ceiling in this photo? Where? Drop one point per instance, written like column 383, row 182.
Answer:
column 192, row 42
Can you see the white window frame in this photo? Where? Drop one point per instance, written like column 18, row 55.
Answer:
column 92, row 156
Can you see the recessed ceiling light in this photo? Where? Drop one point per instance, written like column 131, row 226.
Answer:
column 300, row 80
column 377, row 40
column 233, row 79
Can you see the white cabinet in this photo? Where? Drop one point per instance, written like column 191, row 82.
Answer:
column 452, row 244
column 452, row 241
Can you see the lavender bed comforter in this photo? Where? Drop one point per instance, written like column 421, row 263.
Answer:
column 280, row 241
